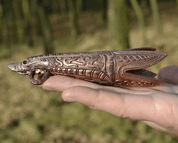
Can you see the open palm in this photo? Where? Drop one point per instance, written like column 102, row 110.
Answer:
column 156, row 106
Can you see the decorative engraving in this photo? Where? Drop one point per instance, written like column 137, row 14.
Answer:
column 131, row 58
column 97, row 62
column 72, row 61
column 59, row 63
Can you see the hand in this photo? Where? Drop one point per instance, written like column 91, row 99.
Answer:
column 156, row 106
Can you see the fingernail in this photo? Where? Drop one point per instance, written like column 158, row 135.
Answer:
column 70, row 100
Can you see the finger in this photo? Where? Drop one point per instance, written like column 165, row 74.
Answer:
column 166, row 89
column 162, row 128
column 169, row 74
column 61, row 83
column 175, row 88
column 156, row 126
column 121, row 105
column 126, row 90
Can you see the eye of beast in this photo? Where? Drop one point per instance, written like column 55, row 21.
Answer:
column 24, row 62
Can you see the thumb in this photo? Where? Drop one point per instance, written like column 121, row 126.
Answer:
column 169, row 74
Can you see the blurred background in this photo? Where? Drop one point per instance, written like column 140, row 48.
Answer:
column 34, row 27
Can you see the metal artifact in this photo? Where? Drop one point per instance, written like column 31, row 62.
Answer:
column 113, row 68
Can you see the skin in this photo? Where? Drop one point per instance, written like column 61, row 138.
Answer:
column 156, row 106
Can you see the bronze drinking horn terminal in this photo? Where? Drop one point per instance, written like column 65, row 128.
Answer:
column 113, row 68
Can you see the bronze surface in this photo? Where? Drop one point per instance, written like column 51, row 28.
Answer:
column 113, row 68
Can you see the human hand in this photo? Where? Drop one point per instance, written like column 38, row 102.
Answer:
column 156, row 106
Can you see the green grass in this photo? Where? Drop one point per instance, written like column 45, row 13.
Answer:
column 30, row 114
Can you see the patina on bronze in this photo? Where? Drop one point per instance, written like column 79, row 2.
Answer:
column 113, row 68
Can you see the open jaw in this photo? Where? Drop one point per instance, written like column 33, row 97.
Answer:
column 37, row 72
column 23, row 72
column 36, row 76
column 19, row 70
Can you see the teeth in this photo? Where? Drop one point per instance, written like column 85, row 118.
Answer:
column 39, row 71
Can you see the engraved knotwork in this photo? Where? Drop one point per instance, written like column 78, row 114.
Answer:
column 72, row 61
column 90, row 60
column 130, row 58
column 59, row 63
column 94, row 62
column 97, row 62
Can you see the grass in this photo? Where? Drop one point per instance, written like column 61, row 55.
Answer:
column 30, row 114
